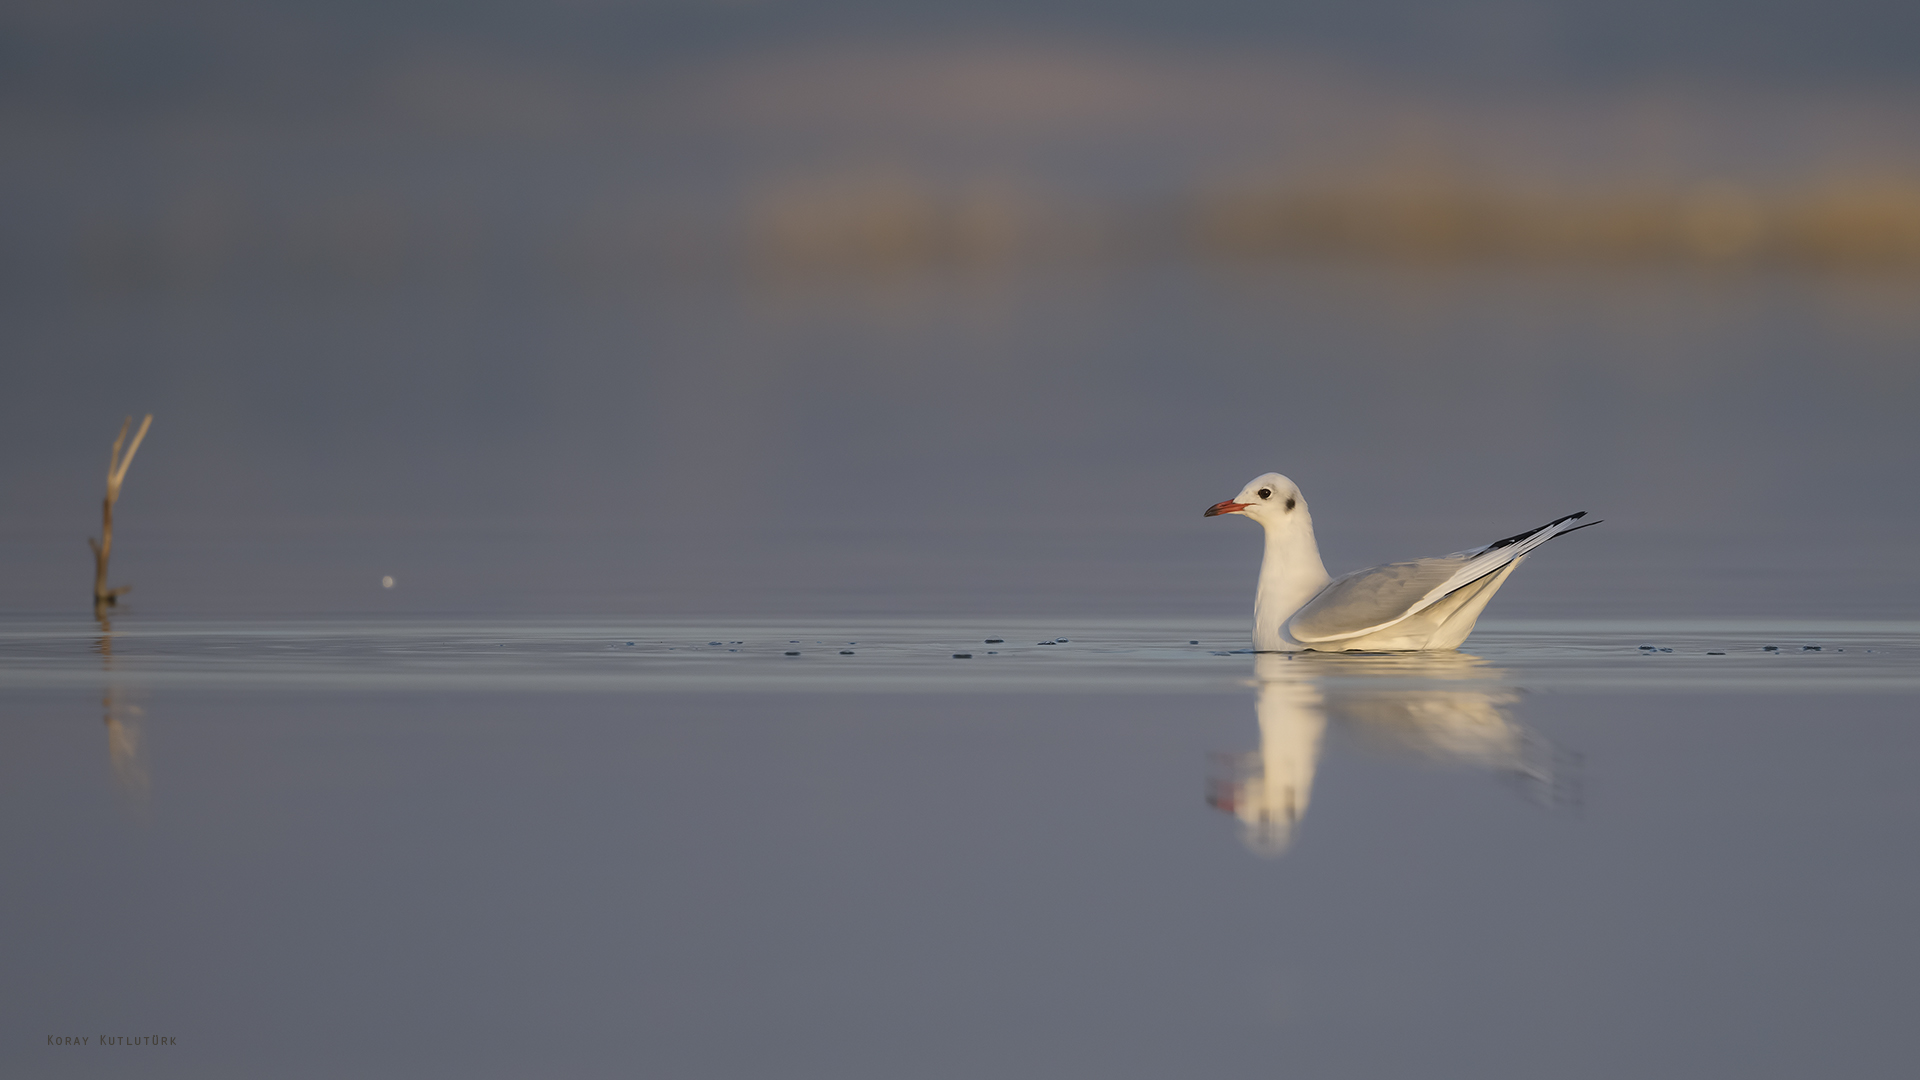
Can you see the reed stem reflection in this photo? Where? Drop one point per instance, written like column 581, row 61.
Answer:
column 1450, row 707
column 122, row 719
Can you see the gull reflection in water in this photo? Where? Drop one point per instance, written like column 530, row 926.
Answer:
column 123, row 725
column 1444, row 706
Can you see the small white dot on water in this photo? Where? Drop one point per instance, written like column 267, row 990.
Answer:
column 386, row 582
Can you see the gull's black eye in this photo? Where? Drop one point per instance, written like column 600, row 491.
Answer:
column 1266, row 493
column 1289, row 504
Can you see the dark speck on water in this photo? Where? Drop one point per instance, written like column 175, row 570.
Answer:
column 846, row 652
column 1193, row 643
column 1648, row 648
column 1046, row 643
column 1062, row 641
column 963, row 656
column 1769, row 648
column 1711, row 652
column 793, row 654
column 1809, row 648
column 996, row 641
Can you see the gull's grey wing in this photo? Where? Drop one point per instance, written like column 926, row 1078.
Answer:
column 1376, row 598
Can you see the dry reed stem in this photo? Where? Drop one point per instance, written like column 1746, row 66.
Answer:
column 104, row 597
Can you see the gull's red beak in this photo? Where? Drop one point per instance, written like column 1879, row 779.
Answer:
column 1225, row 508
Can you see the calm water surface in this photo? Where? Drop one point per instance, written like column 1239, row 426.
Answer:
column 500, row 847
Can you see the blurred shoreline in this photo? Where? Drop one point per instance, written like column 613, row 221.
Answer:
column 862, row 226
column 870, row 158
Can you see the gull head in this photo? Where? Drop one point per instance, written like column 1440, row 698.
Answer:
column 1268, row 499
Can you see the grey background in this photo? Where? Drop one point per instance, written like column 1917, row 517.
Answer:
column 483, row 297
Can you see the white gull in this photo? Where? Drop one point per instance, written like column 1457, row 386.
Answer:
column 1419, row 605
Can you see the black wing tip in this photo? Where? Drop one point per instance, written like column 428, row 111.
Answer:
column 1517, row 537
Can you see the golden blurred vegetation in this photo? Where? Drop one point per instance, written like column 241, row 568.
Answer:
column 889, row 221
column 883, row 222
column 1847, row 221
